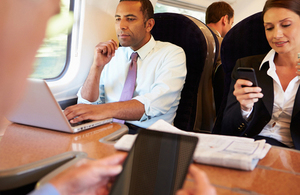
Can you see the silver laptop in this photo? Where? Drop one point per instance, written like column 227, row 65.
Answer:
column 39, row 108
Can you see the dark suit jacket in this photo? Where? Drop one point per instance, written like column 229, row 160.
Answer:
column 233, row 122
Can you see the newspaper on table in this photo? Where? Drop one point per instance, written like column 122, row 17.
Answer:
column 219, row 150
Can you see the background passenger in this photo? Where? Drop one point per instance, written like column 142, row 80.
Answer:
column 272, row 110
column 20, row 38
column 219, row 18
column 161, row 72
column 19, row 43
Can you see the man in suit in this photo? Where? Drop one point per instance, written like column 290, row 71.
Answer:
column 219, row 18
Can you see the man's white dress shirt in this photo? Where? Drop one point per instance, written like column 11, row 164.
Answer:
column 161, row 72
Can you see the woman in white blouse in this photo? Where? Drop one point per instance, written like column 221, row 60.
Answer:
column 270, row 111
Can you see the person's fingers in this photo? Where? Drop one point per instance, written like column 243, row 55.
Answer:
column 202, row 183
column 114, row 159
column 183, row 192
column 198, row 175
column 109, row 170
column 74, row 113
column 242, row 82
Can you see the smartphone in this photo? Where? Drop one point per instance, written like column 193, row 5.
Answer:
column 157, row 164
column 247, row 73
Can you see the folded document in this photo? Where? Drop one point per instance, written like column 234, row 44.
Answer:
column 226, row 151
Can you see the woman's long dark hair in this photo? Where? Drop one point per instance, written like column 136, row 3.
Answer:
column 293, row 5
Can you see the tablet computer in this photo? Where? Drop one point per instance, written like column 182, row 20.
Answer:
column 156, row 164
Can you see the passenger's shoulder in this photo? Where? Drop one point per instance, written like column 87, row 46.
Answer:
column 253, row 58
column 163, row 45
column 250, row 61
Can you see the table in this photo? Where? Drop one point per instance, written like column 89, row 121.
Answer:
column 277, row 173
column 22, row 144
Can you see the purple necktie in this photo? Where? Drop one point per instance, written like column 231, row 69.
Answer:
column 129, row 85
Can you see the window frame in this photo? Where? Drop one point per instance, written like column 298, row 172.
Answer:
column 68, row 51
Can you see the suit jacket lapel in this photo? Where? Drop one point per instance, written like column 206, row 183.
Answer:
column 296, row 108
column 295, row 123
column 266, row 83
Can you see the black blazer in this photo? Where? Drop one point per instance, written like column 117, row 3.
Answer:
column 234, row 124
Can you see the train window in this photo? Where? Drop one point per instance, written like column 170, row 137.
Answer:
column 52, row 58
column 181, row 8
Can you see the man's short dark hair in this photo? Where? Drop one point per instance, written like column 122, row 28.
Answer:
column 217, row 10
column 146, row 8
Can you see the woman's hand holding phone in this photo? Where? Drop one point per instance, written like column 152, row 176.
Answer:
column 246, row 89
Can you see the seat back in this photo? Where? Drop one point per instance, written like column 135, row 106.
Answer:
column 218, row 83
column 182, row 31
column 246, row 38
column 205, row 111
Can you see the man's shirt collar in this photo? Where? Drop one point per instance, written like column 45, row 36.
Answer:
column 143, row 51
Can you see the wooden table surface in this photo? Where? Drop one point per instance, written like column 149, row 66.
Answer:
column 277, row 173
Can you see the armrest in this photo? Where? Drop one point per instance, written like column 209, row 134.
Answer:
column 32, row 172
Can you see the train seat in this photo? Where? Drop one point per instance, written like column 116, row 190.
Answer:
column 246, row 38
column 206, row 108
column 186, row 32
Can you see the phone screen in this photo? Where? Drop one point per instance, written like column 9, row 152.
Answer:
column 156, row 164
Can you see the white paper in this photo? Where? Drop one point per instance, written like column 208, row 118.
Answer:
column 226, row 151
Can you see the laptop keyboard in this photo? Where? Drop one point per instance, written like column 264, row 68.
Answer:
column 79, row 123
